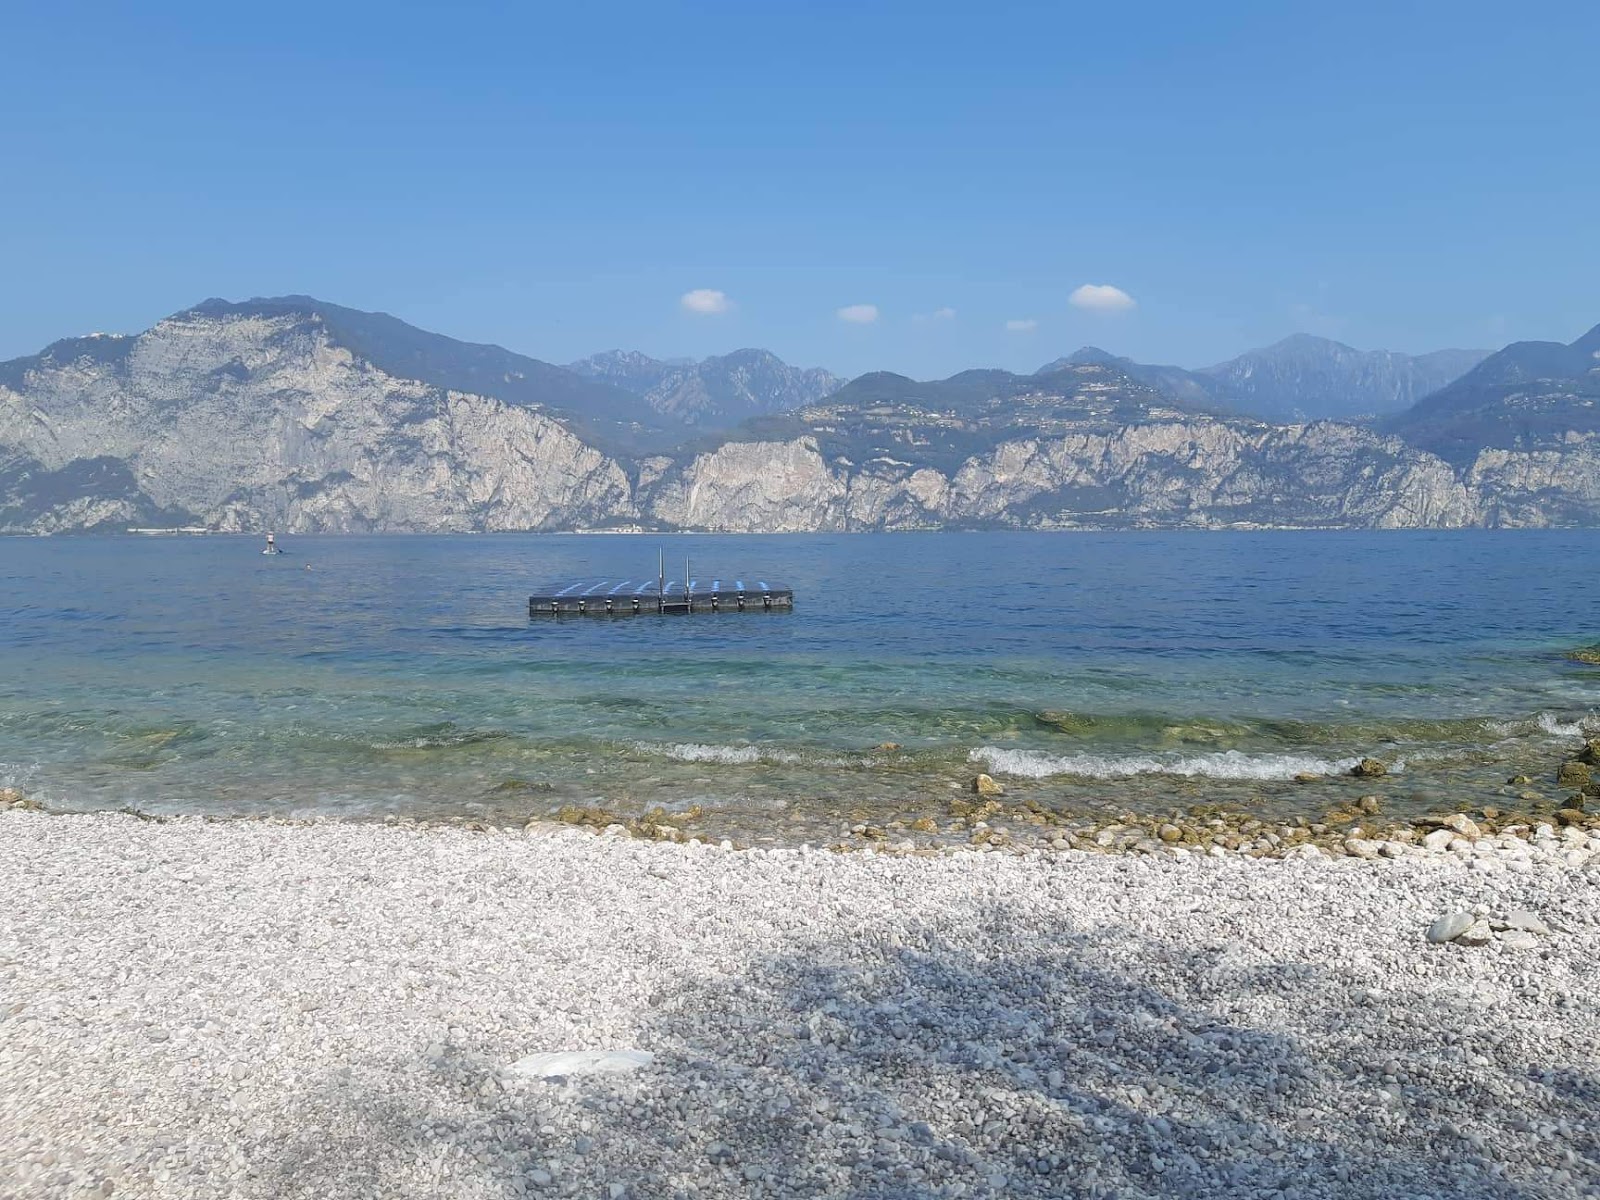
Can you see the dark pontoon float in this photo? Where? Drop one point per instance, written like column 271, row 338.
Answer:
column 627, row 597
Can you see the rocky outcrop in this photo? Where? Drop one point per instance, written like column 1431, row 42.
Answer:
column 1540, row 488
column 778, row 487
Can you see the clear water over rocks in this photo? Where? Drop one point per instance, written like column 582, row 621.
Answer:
column 370, row 677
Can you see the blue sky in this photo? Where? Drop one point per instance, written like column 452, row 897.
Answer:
column 558, row 178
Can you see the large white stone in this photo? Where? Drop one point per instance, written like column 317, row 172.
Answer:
column 556, row 1063
column 1449, row 927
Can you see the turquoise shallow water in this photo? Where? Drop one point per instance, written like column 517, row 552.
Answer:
column 402, row 674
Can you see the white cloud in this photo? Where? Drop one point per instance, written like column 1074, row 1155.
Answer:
column 705, row 302
column 1023, row 325
column 938, row 314
column 859, row 314
column 1102, row 298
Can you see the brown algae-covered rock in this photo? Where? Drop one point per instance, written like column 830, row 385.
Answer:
column 1573, row 773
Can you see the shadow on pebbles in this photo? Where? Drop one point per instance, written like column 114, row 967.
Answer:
column 367, row 1012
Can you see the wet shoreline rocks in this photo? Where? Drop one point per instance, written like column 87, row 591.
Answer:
column 985, row 815
column 14, row 798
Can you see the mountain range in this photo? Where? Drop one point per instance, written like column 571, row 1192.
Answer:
column 1302, row 378
column 294, row 414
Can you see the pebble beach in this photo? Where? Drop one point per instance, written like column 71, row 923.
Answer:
column 194, row 1008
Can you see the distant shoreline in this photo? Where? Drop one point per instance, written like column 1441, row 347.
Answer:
column 196, row 531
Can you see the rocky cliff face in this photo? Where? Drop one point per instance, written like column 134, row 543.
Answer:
column 1198, row 472
column 240, row 417
column 248, row 421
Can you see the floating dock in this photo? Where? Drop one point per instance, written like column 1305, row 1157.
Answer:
column 628, row 597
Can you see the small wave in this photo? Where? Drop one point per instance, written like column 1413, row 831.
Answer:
column 18, row 775
column 1230, row 764
column 1549, row 723
column 733, row 756
column 444, row 736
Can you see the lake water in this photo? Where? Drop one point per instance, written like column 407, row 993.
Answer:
column 1087, row 672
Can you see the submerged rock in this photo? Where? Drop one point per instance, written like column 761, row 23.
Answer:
column 1573, row 773
column 1066, row 722
column 514, row 786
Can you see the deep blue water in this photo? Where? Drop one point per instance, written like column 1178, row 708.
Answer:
column 402, row 674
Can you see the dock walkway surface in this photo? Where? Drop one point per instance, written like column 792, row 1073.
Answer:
column 627, row 597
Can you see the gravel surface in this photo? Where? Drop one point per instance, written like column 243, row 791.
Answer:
column 242, row 1009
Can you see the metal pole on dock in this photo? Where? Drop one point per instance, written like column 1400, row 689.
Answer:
column 661, row 582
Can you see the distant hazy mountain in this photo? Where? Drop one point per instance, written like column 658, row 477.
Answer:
column 1530, row 396
column 715, row 393
column 1301, row 378
column 1305, row 377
